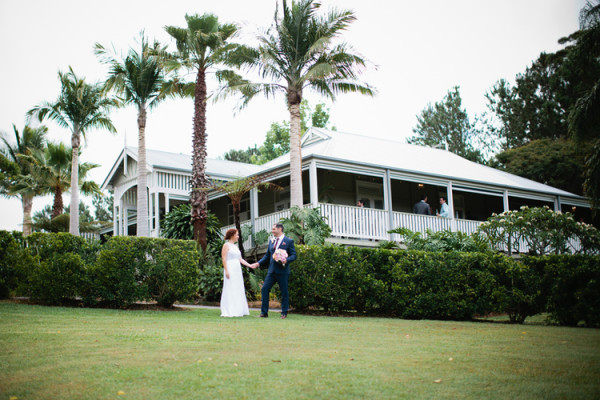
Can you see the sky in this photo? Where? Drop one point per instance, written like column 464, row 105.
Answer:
column 418, row 50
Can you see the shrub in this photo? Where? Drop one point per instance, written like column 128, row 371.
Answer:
column 172, row 273
column 570, row 287
column 9, row 257
column 543, row 230
column 58, row 269
column 519, row 293
column 306, row 226
column 443, row 241
column 411, row 284
column 117, row 276
column 211, row 277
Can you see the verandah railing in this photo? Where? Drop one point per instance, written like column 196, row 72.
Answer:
column 367, row 223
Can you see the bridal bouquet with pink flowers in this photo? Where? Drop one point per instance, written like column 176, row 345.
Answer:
column 280, row 256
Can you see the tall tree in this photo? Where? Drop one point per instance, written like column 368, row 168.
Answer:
column 17, row 179
column 52, row 170
column 201, row 46
column 584, row 118
column 140, row 78
column 446, row 124
column 79, row 107
column 296, row 53
column 277, row 141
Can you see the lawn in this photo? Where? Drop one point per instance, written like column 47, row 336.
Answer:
column 72, row 353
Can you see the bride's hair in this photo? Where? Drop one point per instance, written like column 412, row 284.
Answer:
column 230, row 233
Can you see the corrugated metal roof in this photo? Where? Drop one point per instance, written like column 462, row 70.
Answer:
column 183, row 162
column 361, row 150
column 402, row 157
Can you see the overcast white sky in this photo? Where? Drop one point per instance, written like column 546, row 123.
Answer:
column 421, row 48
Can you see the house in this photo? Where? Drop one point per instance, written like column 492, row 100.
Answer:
column 338, row 170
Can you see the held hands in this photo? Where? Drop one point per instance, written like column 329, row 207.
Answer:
column 254, row 265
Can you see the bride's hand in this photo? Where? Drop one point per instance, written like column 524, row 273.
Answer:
column 227, row 275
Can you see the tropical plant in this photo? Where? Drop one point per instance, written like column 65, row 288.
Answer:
column 178, row 225
column 296, row 53
column 442, row 241
column 52, row 168
column 140, row 78
column 237, row 189
column 43, row 221
column 306, row 226
column 201, row 46
column 79, row 107
column 16, row 179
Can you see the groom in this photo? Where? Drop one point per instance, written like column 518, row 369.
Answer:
column 279, row 269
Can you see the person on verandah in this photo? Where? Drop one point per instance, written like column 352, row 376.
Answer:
column 445, row 209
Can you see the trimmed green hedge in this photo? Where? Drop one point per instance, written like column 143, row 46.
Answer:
column 445, row 285
column 55, row 268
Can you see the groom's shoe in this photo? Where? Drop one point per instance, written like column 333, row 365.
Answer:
column 263, row 315
column 283, row 316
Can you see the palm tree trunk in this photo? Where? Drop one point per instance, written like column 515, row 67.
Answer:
column 142, row 192
column 295, row 156
column 238, row 225
column 58, row 206
column 27, row 203
column 74, row 216
column 199, row 196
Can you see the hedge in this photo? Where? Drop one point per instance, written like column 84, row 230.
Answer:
column 445, row 285
column 56, row 268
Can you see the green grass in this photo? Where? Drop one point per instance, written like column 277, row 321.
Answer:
column 70, row 353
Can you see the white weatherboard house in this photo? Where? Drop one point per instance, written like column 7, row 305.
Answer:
column 338, row 170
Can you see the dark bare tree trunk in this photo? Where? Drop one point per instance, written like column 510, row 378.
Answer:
column 199, row 183
column 57, row 206
column 238, row 224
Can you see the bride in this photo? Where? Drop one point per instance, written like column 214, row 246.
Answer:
column 233, row 298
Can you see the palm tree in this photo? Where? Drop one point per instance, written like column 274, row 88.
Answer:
column 200, row 47
column 140, row 78
column 17, row 178
column 52, row 169
column 79, row 107
column 296, row 53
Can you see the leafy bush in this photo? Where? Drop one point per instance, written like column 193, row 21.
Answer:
column 443, row 241
column 211, row 277
column 570, row 287
column 306, row 226
column 9, row 258
column 519, row 293
column 172, row 272
column 58, row 269
column 543, row 230
column 116, row 277
column 178, row 225
column 411, row 284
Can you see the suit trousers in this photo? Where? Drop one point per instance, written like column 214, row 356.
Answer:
column 270, row 280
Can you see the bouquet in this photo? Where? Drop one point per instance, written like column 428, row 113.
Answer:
column 280, row 256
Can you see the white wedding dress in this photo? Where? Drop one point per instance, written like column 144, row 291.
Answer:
column 233, row 298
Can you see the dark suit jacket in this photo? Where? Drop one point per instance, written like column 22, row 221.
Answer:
column 275, row 267
column 422, row 208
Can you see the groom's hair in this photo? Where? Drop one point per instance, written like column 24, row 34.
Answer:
column 279, row 226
